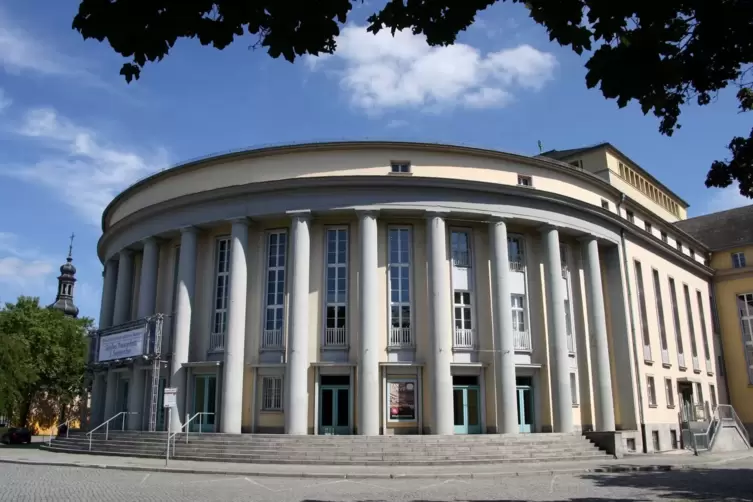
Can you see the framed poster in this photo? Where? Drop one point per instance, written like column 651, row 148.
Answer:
column 401, row 400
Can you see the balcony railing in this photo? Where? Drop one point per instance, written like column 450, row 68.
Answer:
column 401, row 337
column 464, row 338
column 217, row 342
column 516, row 263
column 461, row 258
column 271, row 339
column 335, row 337
column 522, row 341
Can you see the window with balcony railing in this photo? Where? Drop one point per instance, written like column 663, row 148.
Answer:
column 521, row 336
column 337, row 288
column 643, row 315
column 704, row 331
column 400, row 287
column 274, row 301
column 222, row 277
column 569, row 328
column 676, row 319
column 515, row 254
column 463, row 320
column 461, row 249
column 691, row 328
column 745, row 311
column 660, row 317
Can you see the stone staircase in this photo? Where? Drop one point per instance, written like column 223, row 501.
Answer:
column 339, row 450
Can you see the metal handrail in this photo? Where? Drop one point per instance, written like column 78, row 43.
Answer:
column 734, row 417
column 185, row 426
column 58, row 426
column 107, row 423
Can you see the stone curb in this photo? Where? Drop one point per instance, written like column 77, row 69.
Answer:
column 606, row 469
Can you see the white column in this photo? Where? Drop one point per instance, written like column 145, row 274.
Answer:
column 108, row 294
column 504, row 343
column 440, row 326
column 232, row 382
column 111, row 395
column 124, row 288
column 184, row 306
column 148, row 279
column 368, row 328
column 136, row 397
column 597, row 323
column 296, row 375
column 555, row 306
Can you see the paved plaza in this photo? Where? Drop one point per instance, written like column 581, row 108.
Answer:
column 732, row 481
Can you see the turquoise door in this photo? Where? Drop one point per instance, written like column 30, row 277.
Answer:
column 204, row 400
column 334, row 410
column 525, row 409
column 466, row 409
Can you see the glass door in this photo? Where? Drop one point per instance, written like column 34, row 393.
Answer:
column 204, row 400
column 122, row 395
column 525, row 409
column 334, row 410
column 466, row 409
column 160, row 407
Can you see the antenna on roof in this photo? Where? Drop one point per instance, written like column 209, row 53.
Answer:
column 541, row 147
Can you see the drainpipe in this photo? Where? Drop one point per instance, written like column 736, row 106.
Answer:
column 632, row 327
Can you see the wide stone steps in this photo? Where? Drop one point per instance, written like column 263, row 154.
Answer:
column 338, row 450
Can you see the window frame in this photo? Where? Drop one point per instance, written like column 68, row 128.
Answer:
column 605, row 204
column 679, row 344
column 630, row 216
column 669, row 391
column 738, row 259
column 660, row 319
column 469, row 251
column 704, row 330
column 574, row 391
column 265, row 296
column 278, row 393
column 410, row 267
column 746, row 299
column 401, row 167
column 691, row 326
column 338, row 267
column 217, row 274
column 643, row 312
column 464, row 307
column 525, row 180
column 651, row 391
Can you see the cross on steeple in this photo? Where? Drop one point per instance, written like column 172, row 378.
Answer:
column 70, row 247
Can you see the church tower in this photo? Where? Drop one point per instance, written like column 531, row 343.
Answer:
column 66, row 280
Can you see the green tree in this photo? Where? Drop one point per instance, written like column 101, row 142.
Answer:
column 46, row 360
column 661, row 53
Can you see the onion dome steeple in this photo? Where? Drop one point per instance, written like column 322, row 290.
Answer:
column 66, row 280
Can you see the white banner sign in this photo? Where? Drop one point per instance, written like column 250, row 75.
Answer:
column 170, row 400
column 122, row 345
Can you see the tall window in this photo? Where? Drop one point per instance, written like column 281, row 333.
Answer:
column 222, row 276
column 569, row 328
column 521, row 336
column 676, row 319
column 463, row 319
column 648, row 227
column 691, row 327
column 745, row 310
column 642, row 309
column 573, row 389
column 704, row 331
column 271, row 394
column 461, row 249
column 712, row 396
column 738, row 260
column 630, row 216
column 515, row 254
column 337, row 286
column 660, row 317
column 275, row 298
column 651, row 388
column 670, row 392
column 400, row 286
column 174, row 307
column 665, row 237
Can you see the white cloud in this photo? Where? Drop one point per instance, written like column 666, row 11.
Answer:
column 722, row 199
column 381, row 72
column 5, row 101
column 21, row 268
column 76, row 164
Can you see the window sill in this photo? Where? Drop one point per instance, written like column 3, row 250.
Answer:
column 571, row 354
column 671, row 406
column 683, row 368
column 652, row 406
column 576, row 405
column 270, row 412
column 648, row 362
column 272, row 349
column 697, row 372
column 465, row 349
column 666, row 365
column 391, row 173
column 710, row 373
column 395, row 348
column 338, row 348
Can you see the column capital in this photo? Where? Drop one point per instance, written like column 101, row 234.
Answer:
column 546, row 227
column 365, row 213
column 125, row 252
column 498, row 219
column 189, row 230
column 304, row 215
column 244, row 220
column 430, row 213
column 150, row 239
column 587, row 238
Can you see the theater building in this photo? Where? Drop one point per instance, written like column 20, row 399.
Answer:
column 405, row 288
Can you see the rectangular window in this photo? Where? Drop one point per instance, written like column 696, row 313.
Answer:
column 676, row 319
column 660, row 318
column 460, row 242
column 745, row 311
column 630, row 216
column 738, row 260
column 574, row 389
column 525, row 181
column 669, row 392
column 576, row 163
column 569, row 328
column 274, row 310
column 337, row 287
column 648, row 227
column 515, row 254
column 400, row 167
column 699, row 393
column 271, row 394
column 463, row 319
column 522, row 338
column 222, row 276
column 651, row 390
column 704, row 331
column 400, row 286
column 712, row 396
column 604, row 204
column 642, row 311
column 401, row 399
column 691, row 327
column 665, row 237
column 679, row 246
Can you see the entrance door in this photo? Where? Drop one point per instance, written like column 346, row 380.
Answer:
column 686, row 397
column 204, row 400
column 122, row 395
column 525, row 408
column 160, row 407
column 334, row 405
column 466, row 409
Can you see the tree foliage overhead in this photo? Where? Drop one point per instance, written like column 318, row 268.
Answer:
column 42, row 357
column 661, row 53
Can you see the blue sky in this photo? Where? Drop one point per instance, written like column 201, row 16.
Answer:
column 73, row 133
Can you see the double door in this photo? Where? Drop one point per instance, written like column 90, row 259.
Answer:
column 204, row 401
column 334, row 405
column 466, row 405
column 525, row 405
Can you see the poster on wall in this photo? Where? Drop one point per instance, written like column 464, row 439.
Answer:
column 402, row 397
column 122, row 345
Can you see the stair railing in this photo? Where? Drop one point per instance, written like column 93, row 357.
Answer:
column 185, row 425
column 106, row 425
column 728, row 413
column 57, row 428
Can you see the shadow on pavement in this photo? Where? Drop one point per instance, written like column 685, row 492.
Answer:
column 30, row 446
column 731, row 485
column 580, row 499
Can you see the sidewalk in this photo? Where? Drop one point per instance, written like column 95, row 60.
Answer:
column 665, row 462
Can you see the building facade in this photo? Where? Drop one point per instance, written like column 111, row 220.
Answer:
column 396, row 288
column 729, row 236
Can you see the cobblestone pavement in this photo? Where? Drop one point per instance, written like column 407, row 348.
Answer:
column 730, row 482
